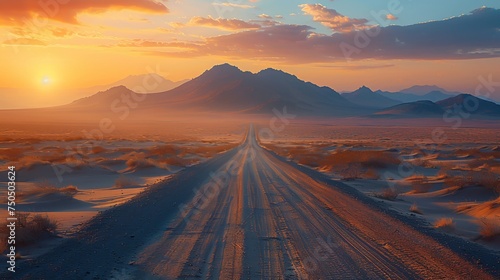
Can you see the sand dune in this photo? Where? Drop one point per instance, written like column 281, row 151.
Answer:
column 273, row 218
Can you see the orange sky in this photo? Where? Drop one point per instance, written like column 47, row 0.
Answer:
column 51, row 50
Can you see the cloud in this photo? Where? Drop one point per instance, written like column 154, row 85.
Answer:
column 24, row 41
column 19, row 11
column 264, row 16
column 357, row 67
column 233, row 5
column 61, row 32
column 222, row 23
column 391, row 17
column 151, row 44
column 471, row 36
column 333, row 19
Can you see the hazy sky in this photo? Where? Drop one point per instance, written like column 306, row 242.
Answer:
column 49, row 47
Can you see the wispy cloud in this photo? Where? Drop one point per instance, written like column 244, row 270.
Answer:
column 333, row 19
column 19, row 11
column 391, row 17
column 479, row 37
column 233, row 5
column 24, row 41
column 222, row 23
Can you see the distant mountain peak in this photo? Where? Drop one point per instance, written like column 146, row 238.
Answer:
column 423, row 89
column 119, row 88
column 273, row 73
column 103, row 96
column 364, row 89
column 364, row 96
column 272, row 70
column 226, row 67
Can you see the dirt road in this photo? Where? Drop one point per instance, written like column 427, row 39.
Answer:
column 249, row 214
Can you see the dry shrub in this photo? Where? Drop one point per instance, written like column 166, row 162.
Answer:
column 13, row 154
column 45, row 188
column 29, row 229
column 76, row 161
column 445, row 223
column 125, row 182
column 414, row 209
column 367, row 159
column 305, row 155
column 420, row 186
column 208, row 151
column 442, row 174
column 461, row 180
column 140, row 163
column 351, row 172
column 176, row 161
column 164, row 150
column 485, row 179
column 371, row 174
column 427, row 164
column 280, row 150
column 98, row 149
column 489, row 229
column 53, row 158
column 388, row 194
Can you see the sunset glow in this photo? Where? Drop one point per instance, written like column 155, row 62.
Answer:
column 84, row 45
column 250, row 139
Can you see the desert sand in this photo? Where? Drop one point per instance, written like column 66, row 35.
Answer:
column 248, row 212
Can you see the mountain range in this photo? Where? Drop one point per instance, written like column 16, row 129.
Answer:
column 367, row 98
column 226, row 89
column 145, row 83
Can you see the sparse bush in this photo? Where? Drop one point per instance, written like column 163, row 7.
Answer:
column 164, row 150
column 371, row 174
column 414, row 209
column 209, row 151
column 29, row 229
column 480, row 178
column 140, row 163
column 125, row 182
column 489, row 229
column 175, row 161
column 367, row 159
column 351, row 172
column 443, row 174
column 444, row 223
column 98, row 149
column 13, row 154
column 45, row 188
column 388, row 194
column 420, row 186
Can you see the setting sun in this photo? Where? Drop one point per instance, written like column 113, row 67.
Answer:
column 46, row 80
column 250, row 139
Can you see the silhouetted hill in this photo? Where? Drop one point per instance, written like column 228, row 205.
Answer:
column 433, row 96
column 419, row 109
column 463, row 106
column 366, row 97
column 471, row 104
